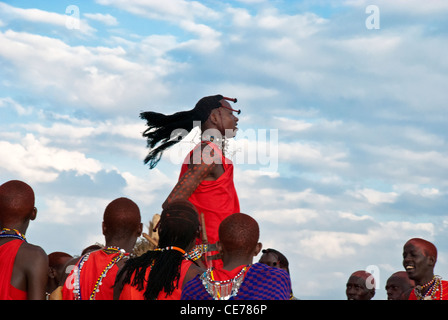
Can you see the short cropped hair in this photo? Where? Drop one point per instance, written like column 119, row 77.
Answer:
column 239, row 234
column 121, row 218
column 16, row 202
column 428, row 247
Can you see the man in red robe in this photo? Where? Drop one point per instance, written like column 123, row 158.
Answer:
column 419, row 259
column 23, row 266
column 239, row 278
column 93, row 275
column 206, row 177
column 160, row 274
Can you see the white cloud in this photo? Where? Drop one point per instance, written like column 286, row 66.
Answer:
column 312, row 154
column 405, row 6
column 374, row 196
column 292, row 124
column 107, row 19
column 180, row 12
column 322, row 245
column 33, row 160
column 41, row 16
column 9, row 102
column 104, row 79
column 172, row 10
column 146, row 191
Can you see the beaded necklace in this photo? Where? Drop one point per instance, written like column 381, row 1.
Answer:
column 223, row 290
column 96, row 288
column 222, row 143
column 433, row 286
column 17, row 234
column 171, row 248
column 196, row 252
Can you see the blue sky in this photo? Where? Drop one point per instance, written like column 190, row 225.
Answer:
column 354, row 118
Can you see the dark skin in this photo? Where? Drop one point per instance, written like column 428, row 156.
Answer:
column 231, row 261
column 356, row 288
column 55, row 274
column 398, row 286
column 30, row 265
column 270, row 259
column 127, row 244
column 418, row 265
column 223, row 122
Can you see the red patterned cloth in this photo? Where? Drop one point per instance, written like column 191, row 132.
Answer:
column 8, row 252
column 216, row 199
column 86, row 274
column 441, row 290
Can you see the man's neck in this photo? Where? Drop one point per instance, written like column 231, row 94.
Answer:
column 424, row 280
column 218, row 141
column 126, row 245
column 234, row 262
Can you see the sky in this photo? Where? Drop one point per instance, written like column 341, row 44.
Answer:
column 341, row 154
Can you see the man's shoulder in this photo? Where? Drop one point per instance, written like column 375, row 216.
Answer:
column 266, row 274
column 31, row 256
column 263, row 268
column 32, row 250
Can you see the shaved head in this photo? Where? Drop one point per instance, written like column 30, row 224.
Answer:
column 16, row 203
column 121, row 218
column 428, row 248
column 239, row 234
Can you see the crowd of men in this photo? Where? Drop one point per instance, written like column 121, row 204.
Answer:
column 203, row 246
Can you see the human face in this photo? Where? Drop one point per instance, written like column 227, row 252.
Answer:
column 356, row 289
column 417, row 264
column 270, row 260
column 228, row 121
column 396, row 287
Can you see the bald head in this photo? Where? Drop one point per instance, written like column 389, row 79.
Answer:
column 121, row 219
column 428, row 248
column 360, row 286
column 398, row 286
column 16, row 203
column 239, row 234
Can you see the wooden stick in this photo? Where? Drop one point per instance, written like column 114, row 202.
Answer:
column 204, row 242
column 147, row 237
column 204, row 233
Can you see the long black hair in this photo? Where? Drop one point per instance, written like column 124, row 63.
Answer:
column 178, row 227
column 166, row 130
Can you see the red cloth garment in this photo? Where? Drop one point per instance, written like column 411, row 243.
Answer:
column 442, row 290
column 132, row 293
column 86, row 274
column 216, row 199
column 8, row 252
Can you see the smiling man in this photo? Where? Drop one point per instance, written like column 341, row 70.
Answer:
column 419, row 259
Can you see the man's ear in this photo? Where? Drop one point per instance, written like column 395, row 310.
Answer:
column 213, row 117
column 33, row 214
column 432, row 261
column 51, row 273
column 103, row 227
column 219, row 246
column 140, row 230
column 258, row 248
